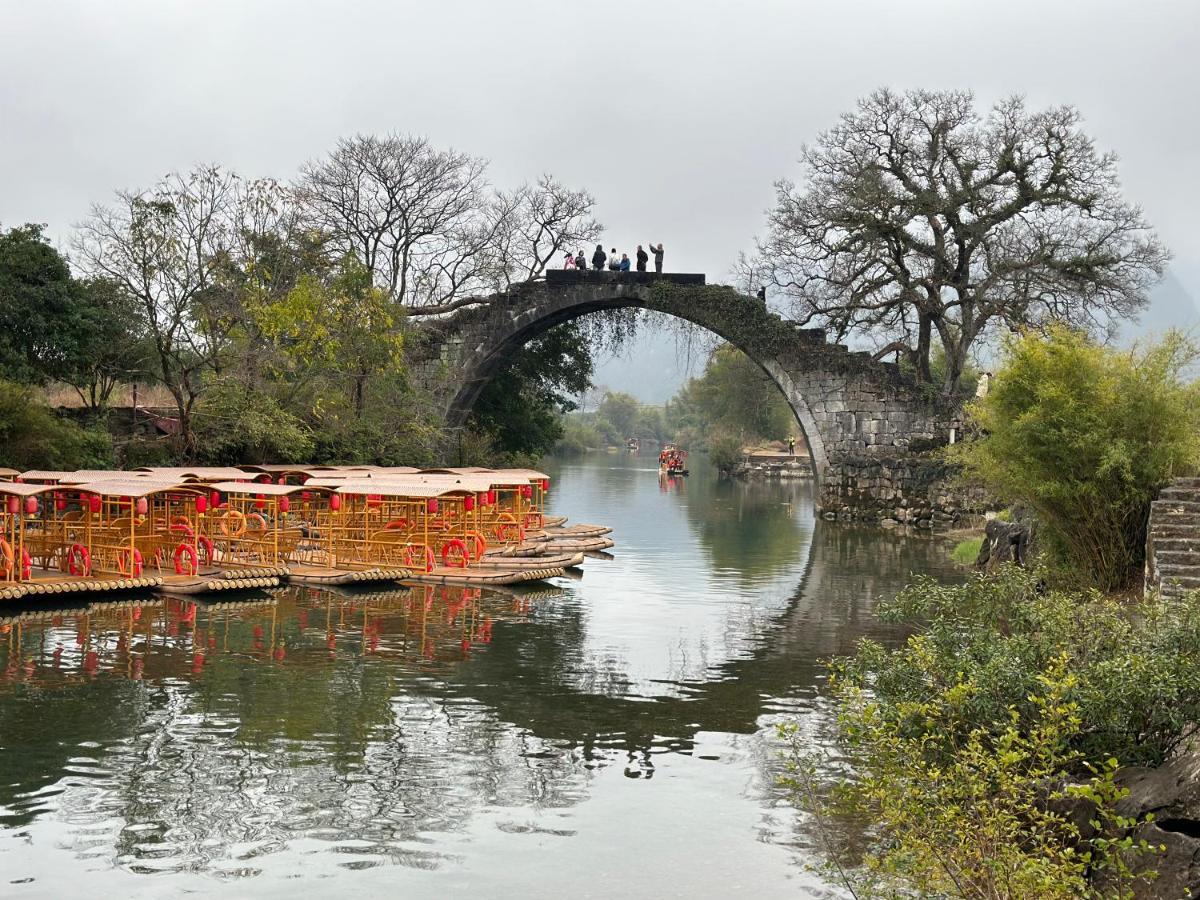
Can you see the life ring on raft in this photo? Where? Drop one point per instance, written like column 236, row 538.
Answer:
column 204, row 544
column 256, row 522
column 129, row 563
column 413, row 551
column 461, row 554
column 193, row 566
column 79, row 560
column 509, row 521
column 26, row 565
column 233, row 523
column 6, row 557
column 479, row 543
column 400, row 524
column 534, row 521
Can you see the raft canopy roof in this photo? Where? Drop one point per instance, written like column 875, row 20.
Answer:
column 136, row 487
column 8, row 473
column 250, row 488
column 385, row 488
column 205, row 473
column 17, row 489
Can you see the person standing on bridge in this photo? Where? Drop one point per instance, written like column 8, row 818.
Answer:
column 658, row 257
column 568, row 261
column 642, row 258
column 580, row 261
column 598, row 257
column 613, row 263
column 624, row 262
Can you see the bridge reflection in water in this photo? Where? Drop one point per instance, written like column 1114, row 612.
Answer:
column 239, row 739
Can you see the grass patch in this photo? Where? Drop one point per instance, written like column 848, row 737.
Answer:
column 966, row 552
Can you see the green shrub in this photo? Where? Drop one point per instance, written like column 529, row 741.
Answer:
column 1085, row 436
column 33, row 437
column 237, row 424
column 725, row 452
column 966, row 552
column 962, row 740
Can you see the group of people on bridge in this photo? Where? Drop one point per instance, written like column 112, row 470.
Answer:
column 610, row 260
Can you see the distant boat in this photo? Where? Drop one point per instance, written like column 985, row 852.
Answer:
column 634, row 445
column 672, row 460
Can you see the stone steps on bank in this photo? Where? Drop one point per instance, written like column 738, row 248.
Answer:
column 1173, row 539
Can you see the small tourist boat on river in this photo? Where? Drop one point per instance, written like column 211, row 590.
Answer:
column 672, row 461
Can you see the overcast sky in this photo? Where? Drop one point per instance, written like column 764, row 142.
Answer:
column 678, row 116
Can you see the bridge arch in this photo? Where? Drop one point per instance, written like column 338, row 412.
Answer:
column 845, row 403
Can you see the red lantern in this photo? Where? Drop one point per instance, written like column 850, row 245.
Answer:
column 201, row 504
column 215, row 499
column 306, row 496
column 31, row 506
column 468, row 503
column 545, row 484
column 14, row 505
column 432, row 505
column 374, row 499
column 285, row 504
column 260, row 502
column 335, row 501
column 143, row 506
column 282, row 479
column 94, row 503
column 526, row 491
column 491, row 498
column 60, row 502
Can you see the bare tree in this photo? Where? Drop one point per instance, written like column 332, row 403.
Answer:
column 542, row 222
column 918, row 218
column 401, row 208
column 429, row 227
column 165, row 248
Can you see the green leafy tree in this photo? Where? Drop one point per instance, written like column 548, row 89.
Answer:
column 732, row 396
column 620, row 410
column 1085, row 436
column 521, row 408
column 38, row 303
column 236, row 424
column 111, row 347
column 346, row 329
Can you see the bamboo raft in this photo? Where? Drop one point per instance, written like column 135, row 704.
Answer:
column 215, row 530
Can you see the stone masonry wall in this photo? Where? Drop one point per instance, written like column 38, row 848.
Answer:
column 919, row 490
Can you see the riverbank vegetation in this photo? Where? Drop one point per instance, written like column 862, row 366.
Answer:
column 986, row 747
column 1085, row 436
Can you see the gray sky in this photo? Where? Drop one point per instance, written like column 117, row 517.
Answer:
column 678, row 116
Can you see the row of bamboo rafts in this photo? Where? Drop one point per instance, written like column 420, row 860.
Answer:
column 201, row 530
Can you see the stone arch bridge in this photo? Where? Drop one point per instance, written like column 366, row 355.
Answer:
column 863, row 419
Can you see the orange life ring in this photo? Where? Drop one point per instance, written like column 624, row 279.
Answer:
column 233, row 523
column 461, row 553
column 534, row 520
column 79, row 560
column 400, row 524
column 204, row 543
column 6, row 557
column 480, row 543
column 256, row 522
column 188, row 550
column 507, row 521
column 129, row 563
column 411, row 552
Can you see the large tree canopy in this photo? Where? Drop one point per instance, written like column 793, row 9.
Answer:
column 918, row 217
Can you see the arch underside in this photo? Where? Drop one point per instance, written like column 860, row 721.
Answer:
column 486, row 361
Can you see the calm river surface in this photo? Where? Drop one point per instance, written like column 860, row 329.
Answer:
column 608, row 736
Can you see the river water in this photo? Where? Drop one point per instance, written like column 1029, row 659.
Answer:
column 606, row 736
